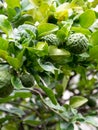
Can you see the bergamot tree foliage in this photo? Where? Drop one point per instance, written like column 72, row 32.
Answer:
column 44, row 46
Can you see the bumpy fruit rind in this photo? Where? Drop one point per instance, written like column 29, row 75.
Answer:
column 6, row 87
column 51, row 39
column 77, row 43
column 27, row 80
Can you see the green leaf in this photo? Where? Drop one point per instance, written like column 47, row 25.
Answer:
column 59, row 90
column 17, row 94
column 17, row 111
column 94, row 38
column 13, row 110
column 49, row 93
column 3, row 44
column 77, row 2
column 57, row 107
column 16, row 82
column 94, row 52
column 17, row 61
column 61, row 87
column 66, row 126
column 22, row 94
column 70, row 127
column 3, row 119
column 94, row 26
column 32, row 121
column 62, row 110
column 65, row 81
column 91, row 120
column 14, row 62
column 46, row 89
column 20, row 56
column 81, row 30
column 87, row 18
column 61, row 35
column 48, row 66
column 40, row 49
column 57, row 54
column 44, row 7
column 65, row 29
column 23, row 19
column 37, row 3
column 26, row 29
column 10, row 125
column 3, row 54
column 5, row 25
column 26, row 5
column 53, row 50
column 77, row 101
column 7, row 99
column 11, row 13
column 13, row 4
column 94, row 3
column 46, row 28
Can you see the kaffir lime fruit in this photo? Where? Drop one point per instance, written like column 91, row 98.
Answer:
column 6, row 87
column 77, row 43
column 91, row 102
column 27, row 80
column 51, row 39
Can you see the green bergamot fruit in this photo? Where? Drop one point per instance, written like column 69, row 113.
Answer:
column 27, row 80
column 51, row 39
column 91, row 102
column 6, row 87
column 77, row 43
